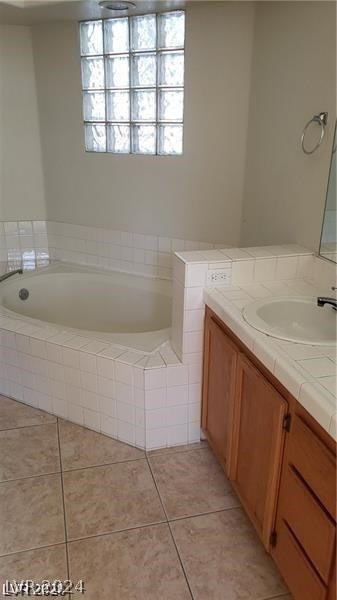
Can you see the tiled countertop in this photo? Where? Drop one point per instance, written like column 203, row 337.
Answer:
column 308, row 372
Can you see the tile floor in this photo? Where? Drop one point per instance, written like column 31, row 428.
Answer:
column 166, row 525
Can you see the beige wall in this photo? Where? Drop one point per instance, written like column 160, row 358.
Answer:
column 21, row 178
column 293, row 77
column 196, row 196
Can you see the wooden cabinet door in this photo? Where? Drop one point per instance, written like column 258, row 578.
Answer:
column 220, row 357
column 257, row 445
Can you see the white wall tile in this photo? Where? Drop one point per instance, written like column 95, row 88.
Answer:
column 194, row 392
column 124, row 393
column 88, row 381
column 124, row 373
column 72, row 376
column 88, row 362
column 140, row 439
column 193, row 342
column 194, row 298
column 126, row 432
column 155, row 418
column 107, row 406
column 92, row 419
column 286, row 267
column 72, row 394
column 70, row 358
column 105, row 367
column 126, row 412
column 155, row 398
column 60, row 408
column 195, row 372
column 265, row 269
column 196, row 275
column 155, row 378
column 177, row 375
column 89, row 400
column 177, row 395
column 109, row 426
column 194, row 432
column 243, row 272
column 194, row 412
column 106, row 387
column 176, row 415
column 194, row 320
column 76, row 414
column 177, row 435
column 156, row 438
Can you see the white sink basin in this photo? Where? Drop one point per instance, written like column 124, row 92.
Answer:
column 294, row 319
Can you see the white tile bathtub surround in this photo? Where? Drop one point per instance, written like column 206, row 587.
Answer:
column 139, row 399
column 117, row 250
column 24, row 242
column 34, row 242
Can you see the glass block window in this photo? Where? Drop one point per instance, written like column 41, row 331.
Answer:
column 133, row 84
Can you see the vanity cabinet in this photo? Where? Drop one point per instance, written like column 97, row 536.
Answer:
column 257, row 445
column 243, row 418
column 281, row 463
column 218, row 389
column 305, row 528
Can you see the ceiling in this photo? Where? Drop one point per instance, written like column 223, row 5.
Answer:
column 28, row 12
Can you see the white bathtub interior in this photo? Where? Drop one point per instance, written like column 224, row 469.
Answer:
column 123, row 309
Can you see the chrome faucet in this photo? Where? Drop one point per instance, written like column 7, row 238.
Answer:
column 322, row 300
column 10, row 273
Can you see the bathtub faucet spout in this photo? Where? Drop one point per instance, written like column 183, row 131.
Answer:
column 10, row 273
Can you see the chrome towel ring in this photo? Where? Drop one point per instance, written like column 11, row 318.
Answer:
column 321, row 119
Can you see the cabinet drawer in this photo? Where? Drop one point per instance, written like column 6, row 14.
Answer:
column 310, row 524
column 315, row 463
column 299, row 575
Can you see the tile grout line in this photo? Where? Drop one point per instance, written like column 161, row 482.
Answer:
column 145, row 525
column 204, row 514
column 63, row 501
column 28, row 426
column 162, row 451
column 30, row 477
column 109, row 464
column 120, row 462
column 104, row 533
column 32, row 549
column 170, row 530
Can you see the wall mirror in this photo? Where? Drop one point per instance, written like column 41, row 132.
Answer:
column 328, row 247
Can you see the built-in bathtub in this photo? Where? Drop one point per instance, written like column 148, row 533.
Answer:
column 128, row 310
column 93, row 347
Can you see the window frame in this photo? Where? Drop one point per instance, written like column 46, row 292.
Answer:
column 157, row 123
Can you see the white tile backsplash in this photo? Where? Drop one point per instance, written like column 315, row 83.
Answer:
column 119, row 250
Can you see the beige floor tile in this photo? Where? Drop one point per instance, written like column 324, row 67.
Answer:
column 110, row 498
column 31, row 513
column 36, row 565
column 223, row 558
column 141, row 564
column 191, row 483
column 29, row 451
column 173, row 449
column 15, row 414
column 82, row 447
